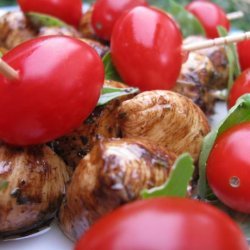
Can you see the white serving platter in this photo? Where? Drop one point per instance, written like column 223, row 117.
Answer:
column 52, row 238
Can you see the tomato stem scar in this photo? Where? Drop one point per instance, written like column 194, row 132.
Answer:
column 234, row 182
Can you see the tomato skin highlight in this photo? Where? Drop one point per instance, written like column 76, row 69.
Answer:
column 59, row 86
column 240, row 87
column 106, row 13
column 146, row 49
column 70, row 11
column 164, row 223
column 244, row 54
column 210, row 15
column 228, row 167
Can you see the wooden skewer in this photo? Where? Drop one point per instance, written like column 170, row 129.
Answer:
column 235, row 15
column 216, row 42
column 13, row 74
column 8, row 71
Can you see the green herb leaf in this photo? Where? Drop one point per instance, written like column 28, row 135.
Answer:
column 110, row 70
column 189, row 24
column 178, row 180
column 109, row 94
column 39, row 20
column 238, row 114
column 3, row 185
column 233, row 58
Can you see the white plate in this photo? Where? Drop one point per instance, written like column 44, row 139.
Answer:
column 52, row 238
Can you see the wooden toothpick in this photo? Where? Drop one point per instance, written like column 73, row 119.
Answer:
column 8, row 71
column 216, row 42
column 235, row 15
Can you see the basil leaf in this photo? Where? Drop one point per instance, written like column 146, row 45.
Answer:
column 189, row 24
column 39, row 20
column 238, row 114
column 110, row 70
column 178, row 180
column 208, row 142
column 109, row 93
column 3, row 185
column 233, row 58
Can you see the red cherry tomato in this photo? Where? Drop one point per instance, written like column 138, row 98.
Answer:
column 164, row 223
column 58, row 87
column 146, row 49
column 70, row 11
column 241, row 86
column 106, row 12
column 228, row 168
column 210, row 15
column 244, row 54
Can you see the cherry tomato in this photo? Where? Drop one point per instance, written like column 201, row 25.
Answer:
column 210, row 15
column 106, row 12
column 241, row 86
column 58, row 87
column 244, row 54
column 146, row 49
column 164, row 223
column 70, row 11
column 228, row 167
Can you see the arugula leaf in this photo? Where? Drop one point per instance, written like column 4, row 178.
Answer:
column 39, row 20
column 3, row 185
column 238, row 114
column 177, row 182
column 109, row 93
column 110, row 70
column 233, row 58
column 189, row 24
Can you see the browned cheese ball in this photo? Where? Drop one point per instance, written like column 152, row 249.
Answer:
column 167, row 119
column 112, row 174
column 35, row 180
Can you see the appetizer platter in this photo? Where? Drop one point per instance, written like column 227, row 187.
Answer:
column 118, row 108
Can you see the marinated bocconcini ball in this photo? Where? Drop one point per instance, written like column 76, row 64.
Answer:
column 112, row 174
column 166, row 118
column 14, row 29
column 197, row 73
column 218, row 57
column 35, row 179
